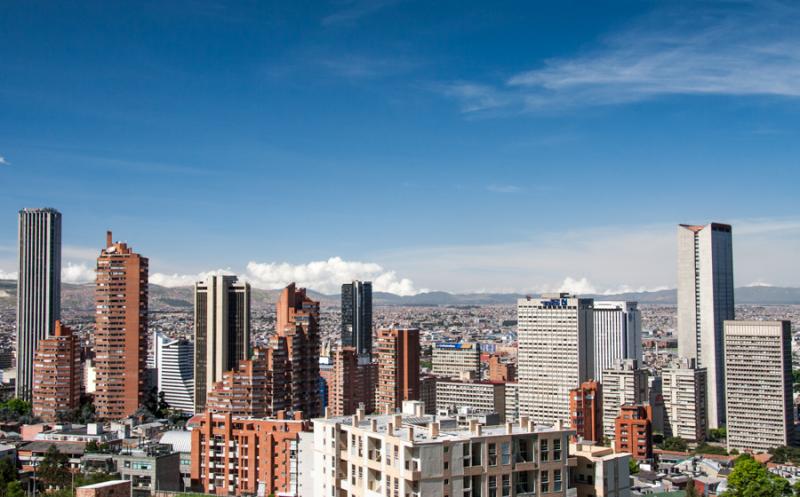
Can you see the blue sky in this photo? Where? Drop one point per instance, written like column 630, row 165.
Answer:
column 464, row 146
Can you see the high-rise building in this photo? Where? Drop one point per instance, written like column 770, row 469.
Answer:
column 634, row 431
column 120, row 330
column 352, row 384
column 398, row 368
column 683, row 387
column 482, row 396
column 297, row 338
column 758, row 374
column 38, row 288
column 586, row 411
column 221, row 331
column 244, row 391
column 410, row 453
column 57, row 375
column 625, row 383
column 617, row 334
column 556, row 353
column 705, row 301
column 173, row 360
column 456, row 359
column 357, row 317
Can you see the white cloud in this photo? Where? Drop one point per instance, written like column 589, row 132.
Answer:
column 176, row 280
column 77, row 273
column 328, row 276
column 7, row 275
column 722, row 49
column 577, row 287
column 4, row 161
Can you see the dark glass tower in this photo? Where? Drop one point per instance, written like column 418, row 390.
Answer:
column 357, row 317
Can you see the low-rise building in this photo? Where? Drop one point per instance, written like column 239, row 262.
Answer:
column 634, row 431
column 113, row 488
column 151, row 469
column 481, row 395
column 454, row 359
column 600, row 472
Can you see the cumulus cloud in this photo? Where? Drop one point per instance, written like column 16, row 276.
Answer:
column 77, row 273
column 176, row 280
column 577, row 286
column 327, row 276
column 7, row 275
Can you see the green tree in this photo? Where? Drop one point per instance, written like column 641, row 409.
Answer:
column 54, row 470
column 751, row 479
column 14, row 489
column 717, row 434
column 675, row 443
column 633, row 466
column 784, row 454
column 691, row 490
column 705, row 448
column 8, row 474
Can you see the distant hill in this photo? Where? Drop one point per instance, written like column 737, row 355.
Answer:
column 165, row 299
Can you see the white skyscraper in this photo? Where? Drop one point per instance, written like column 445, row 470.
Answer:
column 758, row 373
column 175, row 371
column 38, row 287
column 556, row 354
column 617, row 334
column 683, row 387
column 705, row 301
column 624, row 383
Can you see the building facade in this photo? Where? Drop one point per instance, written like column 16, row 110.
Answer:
column 38, row 288
column 634, row 431
column 625, row 383
column 501, row 371
column 705, row 301
column 398, row 368
column 120, row 330
column 173, row 359
column 556, row 353
column 357, row 317
column 352, row 383
column 221, row 331
column 57, row 375
column 600, row 471
column 456, row 359
column 683, row 388
column 482, row 396
column 758, row 373
column 244, row 391
column 617, row 334
column 586, row 411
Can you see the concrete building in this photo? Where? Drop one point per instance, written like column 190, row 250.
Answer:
column 481, row 395
column 411, row 454
column 500, row 371
column 683, row 387
column 221, row 331
column 625, row 383
column 758, row 373
column 617, row 334
column 600, row 472
column 247, row 456
column 586, row 411
column 120, row 330
column 244, row 391
column 456, row 359
column 556, row 353
column 155, row 468
column 398, row 368
column 512, row 402
column 113, row 488
column 357, row 318
column 173, row 360
column 705, row 301
column 352, row 384
column 634, row 431
column 57, row 375
column 181, row 442
column 38, row 288
column 427, row 385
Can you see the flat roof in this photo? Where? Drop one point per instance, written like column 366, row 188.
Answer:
column 106, row 484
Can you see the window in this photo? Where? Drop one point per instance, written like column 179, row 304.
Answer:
column 506, row 485
column 492, row 454
column 557, row 480
column 505, row 453
column 545, row 483
column 492, row 486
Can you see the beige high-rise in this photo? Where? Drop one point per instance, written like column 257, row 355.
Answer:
column 684, row 391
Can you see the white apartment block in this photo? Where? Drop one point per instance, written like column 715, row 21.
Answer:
column 625, row 383
column 683, row 388
column 480, row 395
column 174, row 362
column 600, row 472
column 556, row 353
column 414, row 455
column 705, row 301
column 617, row 334
column 456, row 359
column 758, row 374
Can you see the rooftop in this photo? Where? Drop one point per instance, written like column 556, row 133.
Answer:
column 106, row 484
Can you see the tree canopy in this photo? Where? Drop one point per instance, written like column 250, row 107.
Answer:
column 749, row 478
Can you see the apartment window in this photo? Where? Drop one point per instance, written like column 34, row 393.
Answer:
column 492, row 486
column 505, row 453
column 506, row 485
column 492, row 454
column 545, row 482
column 557, row 480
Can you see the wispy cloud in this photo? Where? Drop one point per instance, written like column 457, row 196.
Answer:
column 721, row 49
column 352, row 11
column 4, row 161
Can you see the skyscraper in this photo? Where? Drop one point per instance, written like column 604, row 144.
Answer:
column 705, row 301
column 221, row 331
column 357, row 317
column 398, row 368
column 758, row 374
column 38, row 287
column 173, row 361
column 586, row 411
column 683, row 387
column 617, row 334
column 352, row 384
column 57, row 375
column 624, row 383
column 556, row 354
column 120, row 330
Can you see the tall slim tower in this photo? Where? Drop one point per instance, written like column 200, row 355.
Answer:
column 705, row 301
column 120, row 330
column 556, row 354
column 617, row 335
column 398, row 368
column 38, row 287
column 357, row 317
column 221, row 331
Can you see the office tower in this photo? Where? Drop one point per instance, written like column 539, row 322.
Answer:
column 625, row 383
column 482, row 396
column 633, row 431
column 600, row 472
column 398, row 368
column 758, row 374
column 556, row 353
column 357, row 317
column 617, row 334
column 586, row 411
column 705, row 301
column 244, row 391
column 352, row 384
column 410, row 453
column 427, row 388
column 120, row 331
column 500, row 371
column 221, row 331
column 456, row 359
column 57, row 375
column 38, row 288
column 173, row 360
column 245, row 456
column 297, row 338
column 683, row 387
